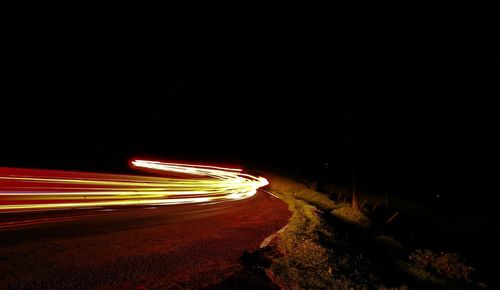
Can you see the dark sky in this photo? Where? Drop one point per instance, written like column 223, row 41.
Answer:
column 389, row 81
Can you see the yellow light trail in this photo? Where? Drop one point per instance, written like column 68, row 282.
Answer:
column 26, row 189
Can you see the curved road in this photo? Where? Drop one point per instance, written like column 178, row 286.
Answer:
column 164, row 247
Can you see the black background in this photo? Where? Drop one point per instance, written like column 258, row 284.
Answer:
column 407, row 94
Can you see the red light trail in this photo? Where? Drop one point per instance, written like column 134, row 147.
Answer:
column 39, row 190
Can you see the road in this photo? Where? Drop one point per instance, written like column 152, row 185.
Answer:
column 186, row 227
column 164, row 247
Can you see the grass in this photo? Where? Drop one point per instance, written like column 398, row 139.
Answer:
column 329, row 245
column 306, row 262
column 290, row 190
column 350, row 215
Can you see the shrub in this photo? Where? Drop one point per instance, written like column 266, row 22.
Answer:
column 446, row 264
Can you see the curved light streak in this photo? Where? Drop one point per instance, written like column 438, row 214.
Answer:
column 29, row 189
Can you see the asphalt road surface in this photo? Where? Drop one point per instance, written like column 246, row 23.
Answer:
column 163, row 247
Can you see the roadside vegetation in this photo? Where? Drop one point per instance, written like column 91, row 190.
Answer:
column 333, row 242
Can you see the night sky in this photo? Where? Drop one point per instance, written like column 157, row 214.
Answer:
column 406, row 90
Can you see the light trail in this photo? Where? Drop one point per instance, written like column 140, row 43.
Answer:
column 34, row 189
